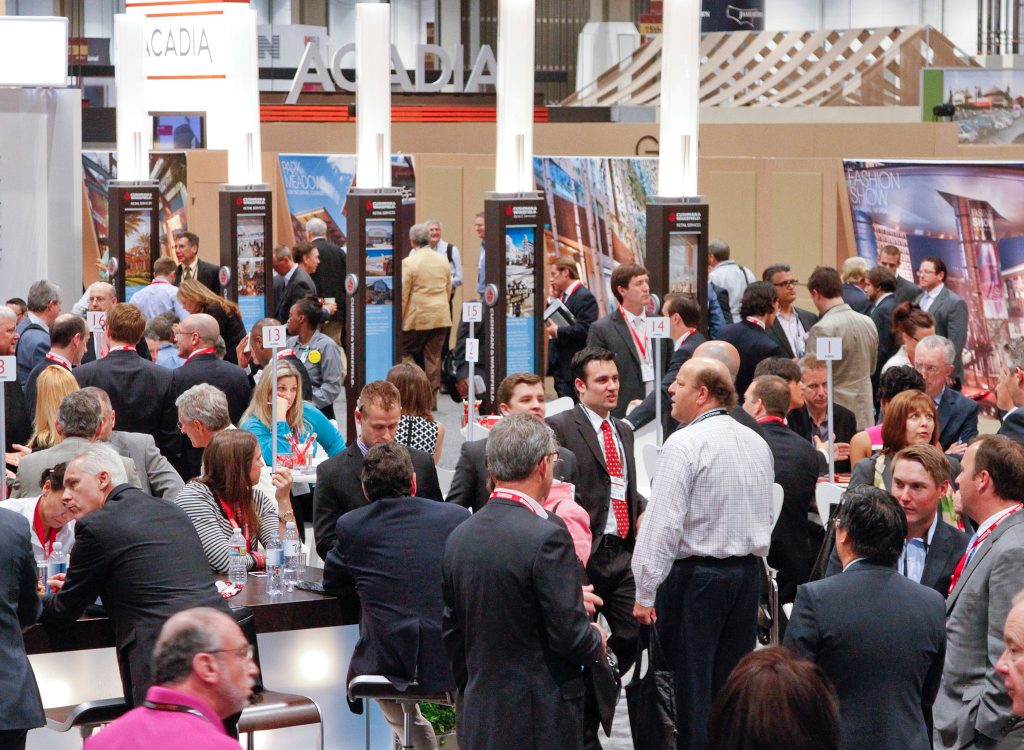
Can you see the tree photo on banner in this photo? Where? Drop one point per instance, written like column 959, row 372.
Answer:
column 971, row 215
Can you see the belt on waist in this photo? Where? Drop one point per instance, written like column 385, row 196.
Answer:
column 722, row 561
column 610, row 541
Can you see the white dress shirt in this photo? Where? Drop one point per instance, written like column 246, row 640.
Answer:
column 611, row 526
column 638, row 324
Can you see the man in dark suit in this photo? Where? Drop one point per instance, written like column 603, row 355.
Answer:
column 683, row 315
column 68, row 340
column 329, row 278
column 796, row 471
column 624, row 333
column 139, row 390
column 17, row 420
column 879, row 637
column 338, row 479
column 890, row 257
column 811, row 421
column 1010, row 392
column 750, row 335
column 44, row 301
column 291, row 283
column 521, row 393
column 881, row 288
column 854, row 270
column 391, row 551
column 920, row 479
column 948, row 309
column 186, row 249
column 102, row 298
column 258, row 357
column 565, row 341
column 791, row 324
column 958, row 415
column 197, row 342
column 21, row 708
column 140, row 555
column 606, row 488
column 515, row 628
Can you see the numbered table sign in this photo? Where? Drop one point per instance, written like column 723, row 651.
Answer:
column 472, row 350
column 472, row 312
column 97, row 321
column 658, row 328
column 829, row 348
column 274, row 336
column 8, row 369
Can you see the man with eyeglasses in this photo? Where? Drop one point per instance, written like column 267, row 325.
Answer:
column 791, row 322
column 948, row 309
column 811, row 421
column 906, row 290
column 203, row 673
column 958, row 415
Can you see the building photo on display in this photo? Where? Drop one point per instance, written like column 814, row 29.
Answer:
column 682, row 263
column 987, row 104
column 138, row 270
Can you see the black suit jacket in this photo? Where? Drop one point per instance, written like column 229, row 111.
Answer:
column 141, row 348
column 881, row 639
column 471, row 486
column 753, row 344
column 778, row 333
column 583, row 305
column 1013, row 425
column 796, row 471
column 329, row 279
column 140, row 392
column 226, row 377
column 947, row 547
column 958, row 418
column 644, row 412
column 593, row 483
column 299, row 286
column 391, row 551
column 339, row 489
column 515, row 629
column 612, row 333
column 881, row 313
column 856, row 298
column 142, row 556
column 906, row 291
column 232, row 330
column 799, row 421
column 207, row 274
column 17, row 417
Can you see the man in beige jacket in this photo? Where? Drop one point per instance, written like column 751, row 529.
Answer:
column 426, row 314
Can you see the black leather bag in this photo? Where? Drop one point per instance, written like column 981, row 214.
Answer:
column 651, row 699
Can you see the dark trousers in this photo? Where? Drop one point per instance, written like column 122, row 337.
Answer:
column 12, row 739
column 424, row 348
column 707, row 622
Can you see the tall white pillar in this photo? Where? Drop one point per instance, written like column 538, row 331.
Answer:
column 134, row 125
column 373, row 95
column 515, row 96
column 680, row 103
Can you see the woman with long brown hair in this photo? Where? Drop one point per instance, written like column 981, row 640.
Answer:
column 417, row 429
column 225, row 497
column 196, row 298
column 910, row 324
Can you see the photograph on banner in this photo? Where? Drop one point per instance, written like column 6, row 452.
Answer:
column 971, row 215
column 138, row 270
column 682, row 263
column 985, row 104
column 597, row 209
column 316, row 186
column 380, row 326
column 249, row 245
column 520, row 261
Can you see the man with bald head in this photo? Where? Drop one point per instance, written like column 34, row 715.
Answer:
column 727, row 354
column 197, row 341
column 102, row 298
column 707, row 522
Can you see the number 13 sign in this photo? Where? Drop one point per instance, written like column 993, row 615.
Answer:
column 273, row 336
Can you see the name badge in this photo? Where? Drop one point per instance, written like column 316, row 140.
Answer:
column 618, row 488
column 647, row 372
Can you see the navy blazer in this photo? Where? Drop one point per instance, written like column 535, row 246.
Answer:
column 906, row 290
column 1013, row 425
column 856, row 298
column 570, row 339
column 881, row 313
column 958, row 418
column 881, row 639
column 207, row 274
column 754, row 344
column 644, row 412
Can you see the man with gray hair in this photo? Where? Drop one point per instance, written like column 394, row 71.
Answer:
column 514, row 625
column 1010, row 392
column 291, row 282
column 728, row 275
column 44, row 300
column 140, row 555
column 426, row 306
column 934, row 358
column 202, row 667
column 329, row 278
column 80, row 424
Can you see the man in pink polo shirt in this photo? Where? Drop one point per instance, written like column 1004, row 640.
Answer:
column 203, row 672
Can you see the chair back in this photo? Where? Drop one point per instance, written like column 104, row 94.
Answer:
column 558, row 406
column 444, row 478
column 777, row 497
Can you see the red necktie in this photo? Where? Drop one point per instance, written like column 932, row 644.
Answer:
column 614, row 464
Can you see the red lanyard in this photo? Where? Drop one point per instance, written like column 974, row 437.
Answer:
column 161, row 281
column 234, row 524
column 516, row 497
column 58, row 359
column 43, row 538
column 197, row 352
column 975, row 544
column 571, row 290
column 642, row 347
column 770, row 418
column 124, row 348
column 756, row 321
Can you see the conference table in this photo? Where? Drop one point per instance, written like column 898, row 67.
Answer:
column 305, row 641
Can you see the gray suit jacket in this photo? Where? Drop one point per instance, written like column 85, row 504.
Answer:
column 950, row 313
column 156, row 475
column 852, row 373
column 32, row 466
column 972, row 698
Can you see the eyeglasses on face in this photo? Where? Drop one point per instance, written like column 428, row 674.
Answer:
column 789, row 284
column 243, row 652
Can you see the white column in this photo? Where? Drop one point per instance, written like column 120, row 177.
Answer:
column 244, row 164
column 373, row 95
column 680, row 105
column 134, row 126
column 515, row 96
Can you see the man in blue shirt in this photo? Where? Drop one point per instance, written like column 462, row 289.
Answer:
column 161, row 295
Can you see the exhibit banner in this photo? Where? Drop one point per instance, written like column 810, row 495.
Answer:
column 520, row 289
column 985, row 104
column 969, row 215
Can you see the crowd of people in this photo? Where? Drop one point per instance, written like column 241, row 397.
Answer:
column 146, row 448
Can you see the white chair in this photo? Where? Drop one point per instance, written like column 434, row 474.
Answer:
column 557, row 406
column 642, row 438
column 649, row 462
column 475, row 431
column 444, row 478
column 825, row 496
column 777, row 497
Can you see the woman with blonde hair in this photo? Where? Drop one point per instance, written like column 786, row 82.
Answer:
column 54, row 383
column 196, row 298
column 417, row 429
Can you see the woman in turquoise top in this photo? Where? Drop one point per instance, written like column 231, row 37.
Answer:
column 296, row 419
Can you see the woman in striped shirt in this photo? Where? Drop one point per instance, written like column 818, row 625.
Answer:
column 225, row 497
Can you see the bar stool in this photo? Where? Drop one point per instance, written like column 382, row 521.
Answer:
column 85, row 717
column 380, row 687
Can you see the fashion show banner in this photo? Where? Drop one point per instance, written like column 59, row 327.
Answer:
column 967, row 213
column 245, row 241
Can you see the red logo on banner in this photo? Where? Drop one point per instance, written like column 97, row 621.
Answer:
column 490, row 295
column 126, row 197
column 238, row 201
column 672, row 217
column 508, row 210
column 369, row 205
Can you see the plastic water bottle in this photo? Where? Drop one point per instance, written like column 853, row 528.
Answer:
column 275, row 565
column 292, row 550
column 236, row 558
column 57, row 562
